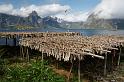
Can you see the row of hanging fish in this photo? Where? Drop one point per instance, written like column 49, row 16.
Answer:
column 65, row 47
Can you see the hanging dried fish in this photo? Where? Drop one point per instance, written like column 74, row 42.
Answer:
column 62, row 44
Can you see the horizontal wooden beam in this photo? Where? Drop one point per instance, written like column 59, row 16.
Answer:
column 98, row 56
column 91, row 54
column 87, row 50
column 105, row 51
column 114, row 48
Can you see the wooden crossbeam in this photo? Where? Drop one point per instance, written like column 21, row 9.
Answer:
column 114, row 48
column 106, row 51
column 91, row 54
column 98, row 56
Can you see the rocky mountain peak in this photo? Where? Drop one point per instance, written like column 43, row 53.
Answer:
column 33, row 13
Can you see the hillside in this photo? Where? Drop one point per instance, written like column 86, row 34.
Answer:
column 95, row 22
column 34, row 21
column 31, row 22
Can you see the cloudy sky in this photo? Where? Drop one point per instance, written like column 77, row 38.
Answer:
column 69, row 10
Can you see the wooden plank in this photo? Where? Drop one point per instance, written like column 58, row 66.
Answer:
column 112, row 48
column 105, row 65
column 101, row 57
column 119, row 57
column 105, row 51
column 79, row 75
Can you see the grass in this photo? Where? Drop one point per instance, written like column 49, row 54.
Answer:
column 15, row 69
column 23, row 27
column 33, row 71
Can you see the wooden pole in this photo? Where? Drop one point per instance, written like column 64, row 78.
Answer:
column 23, row 55
column 57, row 62
column 105, row 64
column 119, row 57
column 27, row 55
column 68, row 80
column 79, row 75
column 42, row 65
column 113, row 59
column 20, row 50
column 14, row 41
column 6, row 40
column 42, row 58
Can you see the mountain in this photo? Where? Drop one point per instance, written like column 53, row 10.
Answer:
column 34, row 20
column 72, row 25
column 69, row 25
column 18, row 22
column 8, row 20
column 51, row 22
column 95, row 22
column 31, row 22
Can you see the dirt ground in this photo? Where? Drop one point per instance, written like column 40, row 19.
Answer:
column 116, row 76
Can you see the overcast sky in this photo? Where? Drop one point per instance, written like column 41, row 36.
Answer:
column 69, row 10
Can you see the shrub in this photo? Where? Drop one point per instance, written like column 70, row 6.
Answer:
column 34, row 72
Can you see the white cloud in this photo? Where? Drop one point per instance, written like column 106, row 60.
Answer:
column 110, row 9
column 106, row 9
column 6, row 8
column 73, row 17
column 43, row 10
column 46, row 10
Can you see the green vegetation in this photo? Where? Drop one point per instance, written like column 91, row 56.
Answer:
column 34, row 71
column 23, row 27
column 14, row 68
column 19, row 70
column 18, row 27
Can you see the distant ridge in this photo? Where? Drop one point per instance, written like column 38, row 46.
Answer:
column 32, row 21
column 93, row 21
